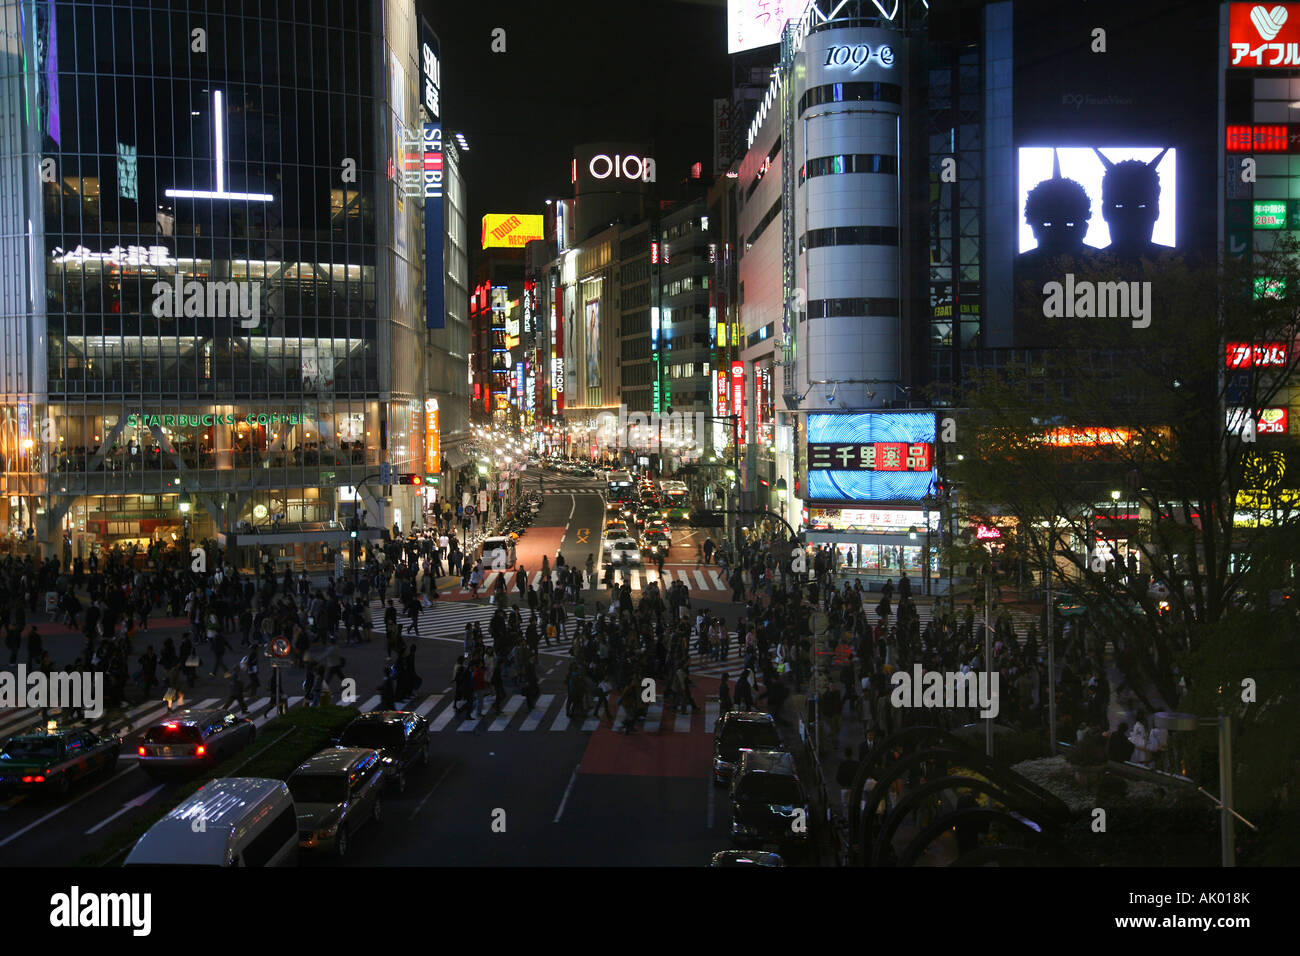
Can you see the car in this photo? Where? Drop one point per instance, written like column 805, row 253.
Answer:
column 625, row 553
column 615, row 530
column 746, row 858
column 498, row 553
column 336, row 792
column 193, row 739
column 52, row 762
column 400, row 736
column 245, row 821
column 655, row 543
column 656, row 524
column 769, row 806
column 737, row 731
column 614, row 511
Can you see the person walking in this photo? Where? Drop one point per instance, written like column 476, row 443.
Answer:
column 218, row 653
column 236, row 691
column 724, row 696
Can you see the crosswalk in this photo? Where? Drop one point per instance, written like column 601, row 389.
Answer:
column 548, row 716
column 697, row 580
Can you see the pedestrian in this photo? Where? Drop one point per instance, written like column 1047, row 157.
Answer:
column 236, row 691
column 218, row 652
column 601, row 697
column 724, row 696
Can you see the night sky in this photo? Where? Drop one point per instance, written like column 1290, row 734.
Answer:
column 576, row 71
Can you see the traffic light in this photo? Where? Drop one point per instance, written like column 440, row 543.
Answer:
column 410, row 480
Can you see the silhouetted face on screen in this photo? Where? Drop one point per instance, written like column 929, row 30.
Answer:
column 1058, row 210
column 1130, row 204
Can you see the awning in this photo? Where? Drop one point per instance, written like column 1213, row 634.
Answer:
column 454, row 458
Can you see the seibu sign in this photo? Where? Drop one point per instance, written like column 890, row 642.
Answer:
column 619, row 166
column 1263, row 35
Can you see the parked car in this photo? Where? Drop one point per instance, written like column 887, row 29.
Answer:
column 53, row 762
column 401, row 737
column 336, row 792
column 741, row 730
column 193, row 739
column 769, row 806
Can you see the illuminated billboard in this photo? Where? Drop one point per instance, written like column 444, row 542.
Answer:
column 1256, row 355
column 887, row 456
column 1264, row 35
column 1081, row 201
column 757, row 23
column 510, row 231
column 593, row 343
column 432, row 438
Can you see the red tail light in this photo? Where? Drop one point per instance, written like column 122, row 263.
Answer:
column 36, row 779
column 200, row 750
column 141, row 751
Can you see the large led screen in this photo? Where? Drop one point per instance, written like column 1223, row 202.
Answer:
column 1082, row 201
column 593, row 343
column 887, row 456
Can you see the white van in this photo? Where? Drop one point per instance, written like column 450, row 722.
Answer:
column 498, row 554
column 229, row 821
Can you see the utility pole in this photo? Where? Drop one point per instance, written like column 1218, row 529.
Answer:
column 1051, row 642
column 988, row 650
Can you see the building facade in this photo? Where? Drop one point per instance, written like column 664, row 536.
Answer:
column 213, row 318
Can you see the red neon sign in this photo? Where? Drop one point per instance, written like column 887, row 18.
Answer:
column 1248, row 355
column 985, row 533
column 738, row 395
column 1270, row 138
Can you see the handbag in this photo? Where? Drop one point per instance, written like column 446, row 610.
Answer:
column 192, row 661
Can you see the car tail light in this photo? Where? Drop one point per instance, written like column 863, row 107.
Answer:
column 140, row 751
column 200, row 750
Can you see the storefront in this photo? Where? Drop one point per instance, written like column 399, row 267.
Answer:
column 882, row 541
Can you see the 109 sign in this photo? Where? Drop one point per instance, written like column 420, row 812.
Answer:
column 858, row 56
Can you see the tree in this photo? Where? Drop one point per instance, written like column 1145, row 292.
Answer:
column 1122, row 433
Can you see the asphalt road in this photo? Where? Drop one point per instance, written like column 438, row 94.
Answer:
column 517, row 790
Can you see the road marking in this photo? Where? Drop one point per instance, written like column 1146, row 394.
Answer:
column 572, row 508
column 370, row 705
column 507, row 714
column 129, row 805
column 560, row 812
column 427, row 707
column 591, row 725
column 710, row 715
column 469, row 724
column 54, row 813
column 583, row 535
column 718, row 583
column 699, row 576
column 654, row 713
column 420, row 805
column 683, row 723
column 561, row 721
column 537, row 713
column 443, row 719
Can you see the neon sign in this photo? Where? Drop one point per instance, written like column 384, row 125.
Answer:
column 219, row 144
column 985, row 533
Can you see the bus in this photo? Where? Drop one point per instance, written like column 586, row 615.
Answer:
column 619, row 485
column 677, row 505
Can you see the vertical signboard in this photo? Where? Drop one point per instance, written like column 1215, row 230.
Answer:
column 434, row 271
column 738, row 396
column 557, row 351
column 432, row 438
column 721, row 402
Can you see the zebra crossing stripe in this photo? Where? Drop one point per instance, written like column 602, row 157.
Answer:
column 561, row 721
column 683, row 723
column 654, row 713
column 370, row 705
column 507, row 714
column 710, row 715
column 699, row 576
column 427, row 707
column 718, row 583
column 636, row 580
column 535, row 715
column 591, row 725
column 469, row 724
column 443, row 719
column 258, row 704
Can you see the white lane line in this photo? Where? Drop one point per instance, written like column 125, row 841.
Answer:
column 443, row 719
column 567, row 790
column 54, row 813
column 537, row 713
column 507, row 714
column 427, row 707
column 420, row 805
column 129, row 805
column 572, row 508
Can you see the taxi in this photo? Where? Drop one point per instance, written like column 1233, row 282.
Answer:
column 53, row 761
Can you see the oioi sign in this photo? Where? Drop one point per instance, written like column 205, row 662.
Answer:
column 630, row 167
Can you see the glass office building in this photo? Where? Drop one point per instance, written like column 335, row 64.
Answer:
column 213, row 294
